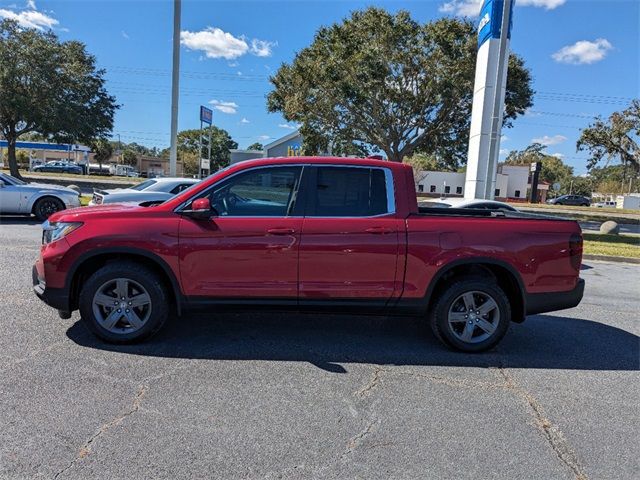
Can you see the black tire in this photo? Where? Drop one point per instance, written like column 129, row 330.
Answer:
column 449, row 299
column 159, row 306
column 47, row 206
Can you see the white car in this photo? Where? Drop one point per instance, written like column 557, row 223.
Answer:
column 152, row 190
column 477, row 203
column 42, row 200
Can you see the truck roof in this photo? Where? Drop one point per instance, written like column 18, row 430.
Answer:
column 373, row 162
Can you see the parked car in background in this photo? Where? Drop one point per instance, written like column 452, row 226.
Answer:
column 42, row 200
column 59, row 167
column 606, row 204
column 308, row 233
column 97, row 169
column 123, row 171
column 477, row 204
column 152, row 190
column 577, row 200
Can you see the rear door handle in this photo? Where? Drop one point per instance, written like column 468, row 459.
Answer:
column 379, row 230
column 281, row 231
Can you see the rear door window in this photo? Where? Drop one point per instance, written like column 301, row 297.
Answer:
column 349, row 192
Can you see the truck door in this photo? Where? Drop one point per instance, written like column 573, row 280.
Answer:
column 250, row 249
column 350, row 236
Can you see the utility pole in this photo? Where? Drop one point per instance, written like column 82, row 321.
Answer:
column 175, row 92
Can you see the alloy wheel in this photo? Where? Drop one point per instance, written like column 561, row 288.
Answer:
column 473, row 316
column 121, row 306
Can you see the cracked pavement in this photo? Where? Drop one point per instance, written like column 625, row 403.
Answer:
column 268, row 395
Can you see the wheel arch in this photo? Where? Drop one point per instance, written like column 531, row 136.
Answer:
column 91, row 261
column 505, row 274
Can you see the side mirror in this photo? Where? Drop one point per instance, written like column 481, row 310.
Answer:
column 200, row 210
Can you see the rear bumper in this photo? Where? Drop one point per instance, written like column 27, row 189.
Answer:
column 552, row 301
column 57, row 298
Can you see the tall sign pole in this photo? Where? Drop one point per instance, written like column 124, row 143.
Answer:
column 175, row 89
column 494, row 32
column 206, row 116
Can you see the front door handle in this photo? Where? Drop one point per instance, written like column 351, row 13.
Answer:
column 379, row 230
column 281, row 231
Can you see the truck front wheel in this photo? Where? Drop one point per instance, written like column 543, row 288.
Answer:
column 471, row 315
column 124, row 302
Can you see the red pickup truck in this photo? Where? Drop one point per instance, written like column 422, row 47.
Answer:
column 308, row 233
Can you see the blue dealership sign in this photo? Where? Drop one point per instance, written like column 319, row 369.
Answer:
column 206, row 115
column 490, row 21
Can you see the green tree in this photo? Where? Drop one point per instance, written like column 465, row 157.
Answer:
column 553, row 168
column 255, row 146
column 221, row 143
column 617, row 137
column 50, row 87
column 613, row 179
column 129, row 157
column 386, row 82
column 102, row 150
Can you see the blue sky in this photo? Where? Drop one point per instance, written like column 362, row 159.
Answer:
column 584, row 57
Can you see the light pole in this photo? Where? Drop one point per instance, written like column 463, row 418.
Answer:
column 175, row 80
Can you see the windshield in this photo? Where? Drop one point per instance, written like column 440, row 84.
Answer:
column 143, row 185
column 11, row 180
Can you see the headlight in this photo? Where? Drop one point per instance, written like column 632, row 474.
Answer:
column 57, row 230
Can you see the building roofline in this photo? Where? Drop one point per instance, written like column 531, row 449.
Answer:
column 282, row 139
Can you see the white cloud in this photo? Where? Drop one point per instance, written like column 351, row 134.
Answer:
column 503, row 151
column 531, row 113
column 233, row 64
column 558, row 155
column 224, row 107
column 216, row 43
column 125, row 34
column 547, row 140
column 287, row 126
column 471, row 8
column 583, row 52
column 30, row 18
column 244, row 120
column 462, row 8
column 264, row 137
column 262, row 48
column 546, row 4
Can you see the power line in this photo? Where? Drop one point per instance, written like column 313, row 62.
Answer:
column 561, row 114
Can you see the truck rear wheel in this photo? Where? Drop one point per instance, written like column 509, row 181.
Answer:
column 124, row 302
column 471, row 315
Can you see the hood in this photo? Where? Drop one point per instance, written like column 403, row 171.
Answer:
column 47, row 186
column 109, row 210
column 115, row 191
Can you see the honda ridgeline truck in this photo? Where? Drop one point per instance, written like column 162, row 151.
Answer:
column 308, row 233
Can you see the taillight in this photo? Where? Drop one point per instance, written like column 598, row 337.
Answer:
column 575, row 250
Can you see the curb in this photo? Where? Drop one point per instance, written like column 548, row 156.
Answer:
column 609, row 258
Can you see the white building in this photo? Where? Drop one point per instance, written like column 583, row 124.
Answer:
column 511, row 182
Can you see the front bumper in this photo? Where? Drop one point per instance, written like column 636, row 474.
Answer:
column 552, row 301
column 57, row 298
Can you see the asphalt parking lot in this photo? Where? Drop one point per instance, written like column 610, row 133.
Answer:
column 281, row 396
